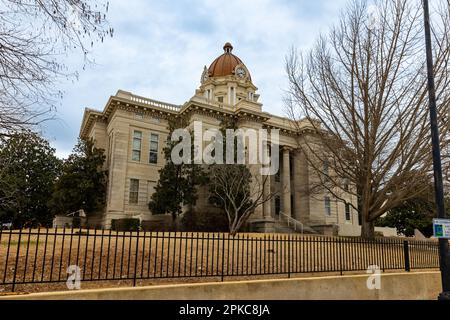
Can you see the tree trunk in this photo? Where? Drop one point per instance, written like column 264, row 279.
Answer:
column 367, row 228
column 174, row 222
column 233, row 229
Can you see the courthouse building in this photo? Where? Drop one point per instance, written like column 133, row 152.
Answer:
column 133, row 130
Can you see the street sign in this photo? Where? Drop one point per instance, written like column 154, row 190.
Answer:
column 441, row 228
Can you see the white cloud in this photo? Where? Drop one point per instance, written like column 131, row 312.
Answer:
column 159, row 50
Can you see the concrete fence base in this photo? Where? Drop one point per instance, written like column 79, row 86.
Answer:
column 414, row 285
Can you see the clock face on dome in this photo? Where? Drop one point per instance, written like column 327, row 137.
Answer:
column 240, row 72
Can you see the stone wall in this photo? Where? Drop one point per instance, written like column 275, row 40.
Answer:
column 404, row 286
column 352, row 230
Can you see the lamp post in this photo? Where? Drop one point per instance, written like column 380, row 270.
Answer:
column 444, row 253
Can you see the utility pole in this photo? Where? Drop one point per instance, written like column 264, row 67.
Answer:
column 444, row 253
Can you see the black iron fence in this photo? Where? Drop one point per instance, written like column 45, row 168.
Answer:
column 44, row 255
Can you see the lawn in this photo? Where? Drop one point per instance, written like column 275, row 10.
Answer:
column 150, row 257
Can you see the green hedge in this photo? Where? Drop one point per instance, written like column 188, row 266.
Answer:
column 211, row 221
column 127, row 224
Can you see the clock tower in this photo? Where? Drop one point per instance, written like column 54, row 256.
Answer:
column 227, row 82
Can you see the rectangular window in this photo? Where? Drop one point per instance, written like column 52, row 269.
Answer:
column 347, row 212
column 137, row 142
column 134, row 191
column 231, row 98
column 220, row 99
column 153, row 156
column 327, row 206
column 326, row 171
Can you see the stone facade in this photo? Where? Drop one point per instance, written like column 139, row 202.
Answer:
column 134, row 129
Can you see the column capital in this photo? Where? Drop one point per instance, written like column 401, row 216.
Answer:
column 287, row 148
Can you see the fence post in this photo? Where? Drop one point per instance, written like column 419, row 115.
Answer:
column 223, row 254
column 17, row 259
column 136, row 258
column 289, row 255
column 406, row 252
column 340, row 255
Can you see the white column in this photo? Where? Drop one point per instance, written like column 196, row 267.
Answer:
column 286, row 183
column 267, row 205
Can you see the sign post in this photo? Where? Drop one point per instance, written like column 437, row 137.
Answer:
column 444, row 251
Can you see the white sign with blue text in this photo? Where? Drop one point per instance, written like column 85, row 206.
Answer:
column 441, row 228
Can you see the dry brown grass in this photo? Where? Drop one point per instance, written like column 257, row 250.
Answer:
column 189, row 257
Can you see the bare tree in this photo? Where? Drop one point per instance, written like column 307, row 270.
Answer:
column 364, row 88
column 234, row 189
column 34, row 34
column 446, row 156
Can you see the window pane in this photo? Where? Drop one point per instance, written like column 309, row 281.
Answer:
column 327, row 206
column 153, row 146
column 153, row 155
column 136, row 156
column 134, row 184
column 153, row 158
column 134, row 191
column 347, row 211
column 154, row 137
column 136, row 153
column 136, row 144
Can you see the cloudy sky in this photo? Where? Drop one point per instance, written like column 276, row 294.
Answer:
column 160, row 47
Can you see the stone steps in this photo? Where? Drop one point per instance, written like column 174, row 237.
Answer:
column 281, row 226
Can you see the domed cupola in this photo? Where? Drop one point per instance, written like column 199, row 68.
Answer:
column 227, row 81
column 228, row 64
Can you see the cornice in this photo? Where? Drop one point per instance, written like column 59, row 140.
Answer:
column 89, row 117
column 132, row 103
column 251, row 115
column 207, row 110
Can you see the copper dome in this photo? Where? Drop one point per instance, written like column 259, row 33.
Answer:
column 225, row 64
